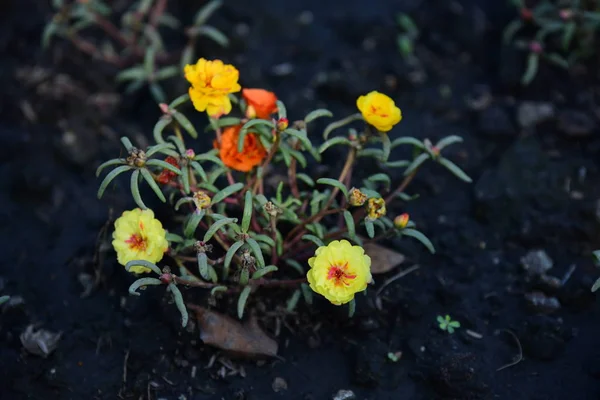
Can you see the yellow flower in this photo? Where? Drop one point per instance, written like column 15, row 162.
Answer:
column 338, row 271
column 356, row 198
column 379, row 110
column 212, row 81
column 139, row 236
column 201, row 200
column 376, row 208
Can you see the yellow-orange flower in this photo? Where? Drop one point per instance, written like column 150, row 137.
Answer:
column 376, row 208
column 379, row 110
column 252, row 154
column 261, row 103
column 338, row 271
column 139, row 236
column 212, row 82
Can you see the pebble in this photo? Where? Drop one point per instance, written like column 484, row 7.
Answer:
column 537, row 262
column 279, row 384
column 530, row 113
column 344, row 395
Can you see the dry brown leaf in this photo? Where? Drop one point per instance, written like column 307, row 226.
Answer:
column 382, row 258
column 226, row 333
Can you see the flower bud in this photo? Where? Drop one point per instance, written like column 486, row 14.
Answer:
column 376, row 208
column 535, row 47
column 201, row 200
column 565, row 14
column 282, row 124
column 137, row 158
column 189, row 153
column 356, row 198
column 526, row 14
column 401, row 221
column 250, row 112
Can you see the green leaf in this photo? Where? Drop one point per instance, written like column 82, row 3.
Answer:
column 511, row 30
column 333, row 142
column 532, row 68
column 206, row 12
column 307, row 293
column 209, row 157
column 4, row 299
column 321, row 112
column 306, row 179
column 334, row 183
column 247, row 126
column 247, row 216
column 241, row 305
column 192, row 223
column 370, row 228
column 314, row 239
column 295, row 264
column 370, row 193
column 149, row 61
column 568, row 34
column 153, row 185
column 159, row 127
column 179, row 101
column 407, row 140
column 218, row 289
column 293, row 300
column 264, row 271
column 596, row 285
column 380, row 177
column 557, row 60
column 179, row 303
column 49, row 30
column 198, row 168
column 142, row 263
column 350, row 223
column 116, row 161
column 421, row 158
column 109, row 178
column 141, row 283
column 338, row 124
column 264, row 239
column 174, row 238
column 420, row 237
column 157, row 93
column 135, row 189
column 281, row 110
column 216, row 226
column 301, row 136
column 164, row 165
column 398, row 164
column 185, row 123
column 166, row 72
column 226, row 192
column 132, row 74
column 387, row 146
column 203, row 266
column 231, row 253
column 459, row 173
column 447, row 141
column 351, row 308
column 244, row 277
column 253, row 244
column 159, row 148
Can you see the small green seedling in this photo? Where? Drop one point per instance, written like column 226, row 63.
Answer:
column 446, row 323
column 394, row 356
column 596, row 285
column 4, row 299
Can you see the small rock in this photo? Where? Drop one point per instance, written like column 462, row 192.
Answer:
column 41, row 342
column 576, row 123
column 495, row 121
column 344, row 395
column 283, row 69
column 279, row 384
column 542, row 303
column 537, row 262
column 530, row 114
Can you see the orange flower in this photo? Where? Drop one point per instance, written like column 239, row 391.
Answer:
column 167, row 175
column 252, row 154
column 261, row 103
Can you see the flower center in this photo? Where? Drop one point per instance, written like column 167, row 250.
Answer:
column 136, row 242
column 377, row 111
column 340, row 275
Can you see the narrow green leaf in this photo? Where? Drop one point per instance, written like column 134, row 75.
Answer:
column 142, row 263
column 185, row 123
column 307, row 293
column 447, row 141
column 281, row 110
column 179, row 100
column 116, row 161
column 135, row 189
column 164, row 165
column 247, row 126
column 351, row 308
column 306, row 179
column 149, row 61
column 338, row 124
column 192, row 223
column 557, row 60
column 132, row 74
column 264, row 271
column 416, row 163
column 141, row 283
column 157, row 93
column 241, row 305
column 247, row 216
column 407, row 140
column 398, row 164
column 370, row 152
column 511, row 30
column 299, row 157
column 213, row 33
column 198, row 168
column 216, row 226
column 333, row 142
column 109, row 178
column 209, row 157
column 293, row 300
column 179, row 303
column 459, row 173
column 218, row 289
column 370, row 228
column 380, row 177
column 203, row 266
column 596, row 285
column 321, row 112
column 532, row 68
column 167, row 72
column 159, row 127
column 350, row 223
column 178, row 143
column 253, row 244
column 172, row 237
column 206, row 12
column 226, row 192
column 568, row 34
column 295, row 264
column 153, row 185
column 231, row 252
column 49, row 30
column 185, row 180
column 301, row 136
column 244, row 277
column 314, row 239
column 158, row 148
column 387, row 146
column 420, row 237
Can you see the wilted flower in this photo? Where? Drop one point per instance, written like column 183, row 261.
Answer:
column 167, row 175
column 212, row 82
column 201, row 200
column 139, row 236
column 356, row 198
column 379, row 110
column 261, row 103
column 401, row 221
column 338, row 271
column 376, row 208
column 252, row 153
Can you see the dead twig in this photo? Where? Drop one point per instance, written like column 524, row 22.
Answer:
column 519, row 356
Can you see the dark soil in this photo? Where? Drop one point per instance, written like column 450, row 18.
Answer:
column 535, row 188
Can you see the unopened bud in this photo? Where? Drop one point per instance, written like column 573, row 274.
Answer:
column 401, row 221
column 356, row 198
column 282, row 124
column 189, row 153
column 164, row 108
column 250, row 112
column 376, row 208
column 565, row 14
column 201, row 200
column 535, row 47
column 526, row 14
